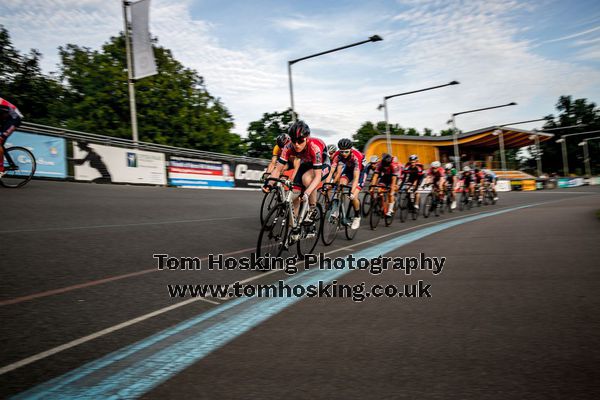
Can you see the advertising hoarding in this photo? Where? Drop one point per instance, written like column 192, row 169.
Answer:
column 50, row 153
column 197, row 173
column 106, row 164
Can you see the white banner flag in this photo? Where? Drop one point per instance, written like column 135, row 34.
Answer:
column 143, row 56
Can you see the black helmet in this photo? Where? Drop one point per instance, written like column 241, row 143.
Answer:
column 386, row 159
column 413, row 157
column 283, row 139
column 345, row 144
column 298, row 130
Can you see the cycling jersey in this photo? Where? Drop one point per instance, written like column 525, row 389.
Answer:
column 387, row 173
column 353, row 162
column 436, row 173
column 490, row 177
column 14, row 118
column 314, row 153
column 450, row 175
column 413, row 172
column 277, row 151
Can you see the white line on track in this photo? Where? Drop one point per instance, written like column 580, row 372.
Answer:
column 68, row 228
column 98, row 334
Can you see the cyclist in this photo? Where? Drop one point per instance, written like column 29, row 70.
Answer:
column 281, row 141
column 10, row 119
column 351, row 161
column 479, row 176
column 490, row 178
column 413, row 175
column 369, row 167
column 468, row 178
column 436, row 175
column 451, row 179
column 387, row 172
column 313, row 166
column 331, row 149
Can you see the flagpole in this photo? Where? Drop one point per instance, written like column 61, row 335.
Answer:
column 134, row 128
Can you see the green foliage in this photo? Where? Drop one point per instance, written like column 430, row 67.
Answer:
column 173, row 107
column 38, row 97
column 263, row 133
column 571, row 112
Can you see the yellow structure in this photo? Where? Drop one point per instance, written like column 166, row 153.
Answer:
column 474, row 147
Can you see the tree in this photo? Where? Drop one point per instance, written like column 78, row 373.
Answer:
column 38, row 97
column 173, row 107
column 572, row 112
column 368, row 130
column 263, row 133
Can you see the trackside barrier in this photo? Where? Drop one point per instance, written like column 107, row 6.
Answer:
column 503, row 186
column 105, row 159
column 50, row 153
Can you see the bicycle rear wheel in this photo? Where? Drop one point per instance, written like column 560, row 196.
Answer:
column 310, row 232
column 19, row 165
column 403, row 207
column 428, row 205
column 273, row 235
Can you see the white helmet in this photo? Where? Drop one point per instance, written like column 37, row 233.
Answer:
column 435, row 164
column 373, row 159
column 466, row 168
column 449, row 165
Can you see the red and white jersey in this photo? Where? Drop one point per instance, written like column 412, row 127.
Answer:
column 436, row 173
column 315, row 152
column 13, row 111
column 354, row 161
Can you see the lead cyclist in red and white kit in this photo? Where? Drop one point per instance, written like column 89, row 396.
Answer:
column 10, row 119
column 314, row 163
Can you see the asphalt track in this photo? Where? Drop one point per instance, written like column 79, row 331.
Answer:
column 514, row 314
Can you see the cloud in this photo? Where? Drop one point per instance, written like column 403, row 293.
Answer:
column 426, row 43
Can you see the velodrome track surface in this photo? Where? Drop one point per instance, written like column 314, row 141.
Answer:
column 514, row 314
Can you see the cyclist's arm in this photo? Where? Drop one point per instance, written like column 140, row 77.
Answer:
column 272, row 164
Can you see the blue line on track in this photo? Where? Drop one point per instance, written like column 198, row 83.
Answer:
column 136, row 369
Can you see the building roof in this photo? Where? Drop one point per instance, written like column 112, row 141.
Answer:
column 481, row 138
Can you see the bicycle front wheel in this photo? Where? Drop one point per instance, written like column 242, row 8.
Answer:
column 331, row 223
column 19, row 165
column 310, row 232
column 366, row 204
column 273, row 235
column 376, row 211
column 270, row 200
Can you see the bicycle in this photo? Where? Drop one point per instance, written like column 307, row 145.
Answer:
column 282, row 229
column 379, row 206
column 336, row 214
column 407, row 203
column 432, row 201
column 271, row 199
column 19, row 167
column 466, row 201
column 488, row 195
column 365, row 204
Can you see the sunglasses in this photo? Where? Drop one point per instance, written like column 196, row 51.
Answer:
column 299, row 140
column 345, row 151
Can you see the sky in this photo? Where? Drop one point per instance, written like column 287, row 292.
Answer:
column 529, row 52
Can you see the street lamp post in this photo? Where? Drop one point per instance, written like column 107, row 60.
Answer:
column 586, row 155
column 385, row 109
column 374, row 38
column 499, row 133
column 563, row 143
column 455, row 131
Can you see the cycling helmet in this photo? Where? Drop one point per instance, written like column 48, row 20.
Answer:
column 283, row 139
column 476, row 169
column 386, row 159
column 373, row 159
column 449, row 166
column 435, row 164
column 345, row 144
column 298, row 130
column 413, row 157
column 466, row 168
column 331, row 148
